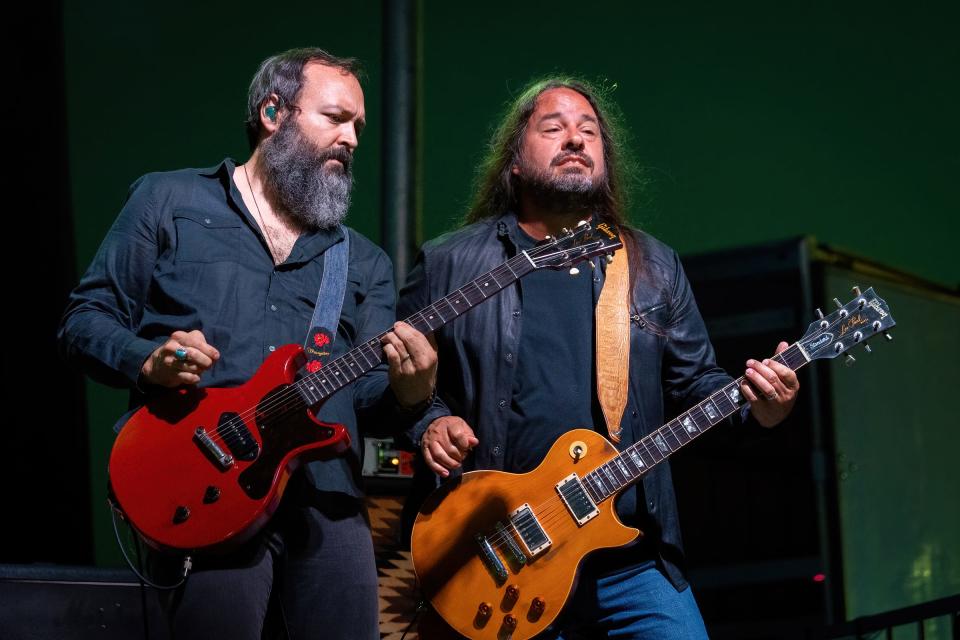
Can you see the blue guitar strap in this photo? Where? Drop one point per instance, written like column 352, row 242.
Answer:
column 326, row 313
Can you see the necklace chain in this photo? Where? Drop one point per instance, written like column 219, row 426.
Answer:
column 266, row 231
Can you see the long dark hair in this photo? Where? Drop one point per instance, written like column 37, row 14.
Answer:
column 495, row 185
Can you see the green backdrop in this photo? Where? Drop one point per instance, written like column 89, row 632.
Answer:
column 753, row 121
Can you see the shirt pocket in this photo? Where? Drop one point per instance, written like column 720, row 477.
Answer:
column 206, row 237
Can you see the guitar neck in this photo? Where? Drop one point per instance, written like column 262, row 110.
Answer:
column 338, row 373
column 630, row 465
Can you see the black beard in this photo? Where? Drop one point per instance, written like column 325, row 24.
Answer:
column 314, row 195
column 564, row 193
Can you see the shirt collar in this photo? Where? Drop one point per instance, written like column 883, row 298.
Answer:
column 309, row 245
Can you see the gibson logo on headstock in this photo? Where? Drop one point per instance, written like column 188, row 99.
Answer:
column 603, row 226
column 875, row 305
column 854, row 321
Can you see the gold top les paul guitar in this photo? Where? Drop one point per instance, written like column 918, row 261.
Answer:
column 497, row 553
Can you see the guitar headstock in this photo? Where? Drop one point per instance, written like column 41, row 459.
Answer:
column 583, row 242
column 851, row 324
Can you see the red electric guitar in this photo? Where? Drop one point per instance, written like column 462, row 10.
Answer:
column 201, row 468
column 497, row 553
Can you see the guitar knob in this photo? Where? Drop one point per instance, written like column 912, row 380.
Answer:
column 484, row 610
column 211, row 495
column 181, row 514
column 509, row 622
column 537, row 607
column 513, row 593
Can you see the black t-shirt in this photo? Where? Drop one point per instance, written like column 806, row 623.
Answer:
column 555, row 384
column 554, row 387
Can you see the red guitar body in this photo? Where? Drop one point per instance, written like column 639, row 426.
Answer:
column 205, row 468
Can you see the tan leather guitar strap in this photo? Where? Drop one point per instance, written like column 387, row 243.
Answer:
column 613, row 342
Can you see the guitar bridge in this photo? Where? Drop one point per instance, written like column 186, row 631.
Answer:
column 490, row 559
column 212, row 449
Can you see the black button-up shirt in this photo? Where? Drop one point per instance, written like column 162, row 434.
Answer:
column 185, row 254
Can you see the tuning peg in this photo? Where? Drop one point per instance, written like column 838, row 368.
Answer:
column 548, row 237
column 867, row 348
column 590, row 264
column 584, row 222
column 888, row 336
column 856, row 291
column 609, row 258
column 823, row 323
column 574, row 271
column 849, row 360
column 564, row 231
column 838, row 303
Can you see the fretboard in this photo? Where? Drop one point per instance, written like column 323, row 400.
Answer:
column 631, row 464
column 340, row 372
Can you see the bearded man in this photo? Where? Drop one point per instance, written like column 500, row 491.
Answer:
column 203, row 275
column 522, row 369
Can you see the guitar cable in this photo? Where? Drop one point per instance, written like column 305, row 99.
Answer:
column 187, row 559
column 421, row 607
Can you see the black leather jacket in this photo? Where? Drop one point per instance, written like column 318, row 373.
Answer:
column 672, row 363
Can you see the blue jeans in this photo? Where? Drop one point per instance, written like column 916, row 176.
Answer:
column 638, row 603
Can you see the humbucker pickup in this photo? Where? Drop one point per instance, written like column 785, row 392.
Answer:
column 532, row 535
column 580, row 505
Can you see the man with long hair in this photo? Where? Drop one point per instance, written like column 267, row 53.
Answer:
column 521, row 369
column 203, row 275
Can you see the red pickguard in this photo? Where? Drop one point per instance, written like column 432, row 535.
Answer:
column 158, row 466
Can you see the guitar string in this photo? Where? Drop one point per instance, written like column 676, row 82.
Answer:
column 549, row 512
column 236, row 425
column 233, row 425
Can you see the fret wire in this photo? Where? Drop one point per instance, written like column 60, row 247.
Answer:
column 672, row 428
column 615, row 472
